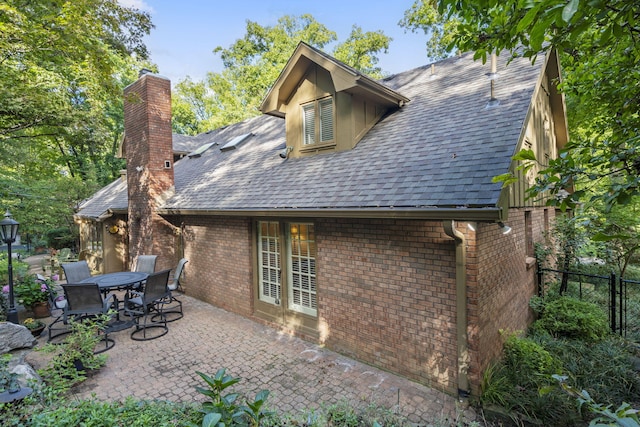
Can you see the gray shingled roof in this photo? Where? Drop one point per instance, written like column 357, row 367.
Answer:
column 441, row 150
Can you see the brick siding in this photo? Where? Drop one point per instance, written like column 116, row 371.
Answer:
column 499, row 299
column 386, row 288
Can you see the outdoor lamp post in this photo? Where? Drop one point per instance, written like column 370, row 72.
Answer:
column 8, row 233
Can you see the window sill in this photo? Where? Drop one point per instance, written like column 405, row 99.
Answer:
column 530, row 261
column 311, row 148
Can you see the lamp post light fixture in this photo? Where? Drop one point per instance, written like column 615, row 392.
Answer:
column 8, row 233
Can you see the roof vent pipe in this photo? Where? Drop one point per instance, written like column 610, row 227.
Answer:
column 493, row 75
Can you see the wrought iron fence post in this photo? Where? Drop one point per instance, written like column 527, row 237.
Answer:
column 622, row 309
column 612, row 298
column 539, row 274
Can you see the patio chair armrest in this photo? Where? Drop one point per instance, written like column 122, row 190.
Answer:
column 109, row 301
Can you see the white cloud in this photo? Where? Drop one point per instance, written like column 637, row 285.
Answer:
column 138, row 4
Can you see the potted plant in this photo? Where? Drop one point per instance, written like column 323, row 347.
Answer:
column 34, row 292
column 34, row 326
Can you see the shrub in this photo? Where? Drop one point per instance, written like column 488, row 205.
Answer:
column 59, row 238
column 529, row 358
column 571, row 318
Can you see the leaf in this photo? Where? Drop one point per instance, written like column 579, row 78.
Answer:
column 602, row 237
column 211, row 420
column 525, row 155
column 569, row 10
column 528, row 18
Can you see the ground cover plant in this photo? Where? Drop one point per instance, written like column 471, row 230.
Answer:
column 569, row 341
column 51, row 405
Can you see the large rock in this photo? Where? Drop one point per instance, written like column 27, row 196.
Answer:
column 14, row 336
column 19, row 366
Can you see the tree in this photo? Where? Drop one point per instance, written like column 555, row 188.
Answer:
column 439, row 29
column 597, row 41
column 63, row 65
column 253, row 63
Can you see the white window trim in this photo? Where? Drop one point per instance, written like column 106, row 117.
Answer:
column 309, row 275
column 266, row 281
column 314, row 109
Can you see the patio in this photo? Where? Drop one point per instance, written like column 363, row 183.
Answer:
column 298, row 374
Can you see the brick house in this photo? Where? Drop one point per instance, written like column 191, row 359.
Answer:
column 355, row 213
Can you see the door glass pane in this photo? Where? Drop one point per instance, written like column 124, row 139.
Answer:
column 269, row 260
column 302, row 270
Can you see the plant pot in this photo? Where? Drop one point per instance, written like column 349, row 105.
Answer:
column 40, row 310
column 37, row 331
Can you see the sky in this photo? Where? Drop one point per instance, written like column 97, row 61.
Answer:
column 187, row 31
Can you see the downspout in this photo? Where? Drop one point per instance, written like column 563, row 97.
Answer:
column 461, row 306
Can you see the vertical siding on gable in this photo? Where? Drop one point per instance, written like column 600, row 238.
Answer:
column 540, row 138
column 386, row 295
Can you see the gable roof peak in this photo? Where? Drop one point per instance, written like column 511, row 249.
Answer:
column 345, row 79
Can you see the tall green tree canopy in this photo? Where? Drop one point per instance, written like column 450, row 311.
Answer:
column 63, row 64
column 598, row 41
column 252, row 64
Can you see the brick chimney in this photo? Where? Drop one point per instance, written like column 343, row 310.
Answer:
column 149, row 153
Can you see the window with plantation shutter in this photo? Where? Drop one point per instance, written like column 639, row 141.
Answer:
column 318, row 121
column 326, row 120
column 309, row 112
column 269, row 262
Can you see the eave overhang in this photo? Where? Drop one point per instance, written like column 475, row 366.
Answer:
column 488, row 214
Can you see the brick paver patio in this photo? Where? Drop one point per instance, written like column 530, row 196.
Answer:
column 299, row 375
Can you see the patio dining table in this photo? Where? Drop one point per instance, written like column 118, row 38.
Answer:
column 116, row 281
column 121, row 280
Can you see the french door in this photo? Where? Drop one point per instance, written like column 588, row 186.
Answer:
column 287, row 267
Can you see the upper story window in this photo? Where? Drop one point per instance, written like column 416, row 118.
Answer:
column 318, row 121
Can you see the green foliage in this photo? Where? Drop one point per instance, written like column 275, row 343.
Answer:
column 624, row 415
column 59, row 238
column 8, row 380
column 64, row 64
column 604, row 368
column 75, row 355
column 438, row 27
column 530, row 358
column 29, row 290
column 360, row 49
column 221, row 410
column 253, row 63
column 571, row 318
column 523, row 381
column 20, row 268
column 597, row 41
column 132, row 413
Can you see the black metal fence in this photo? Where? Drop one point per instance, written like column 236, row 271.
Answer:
column 619, row 297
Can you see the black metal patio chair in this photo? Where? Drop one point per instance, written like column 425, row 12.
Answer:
column 84, row 301
column 148, row 308
column 173, row 309
column 75, row 272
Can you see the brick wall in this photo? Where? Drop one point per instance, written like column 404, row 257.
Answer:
column 148, row 145
column 386, row 288
column 220, row 262
column 499, row 299
column 387, row 296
